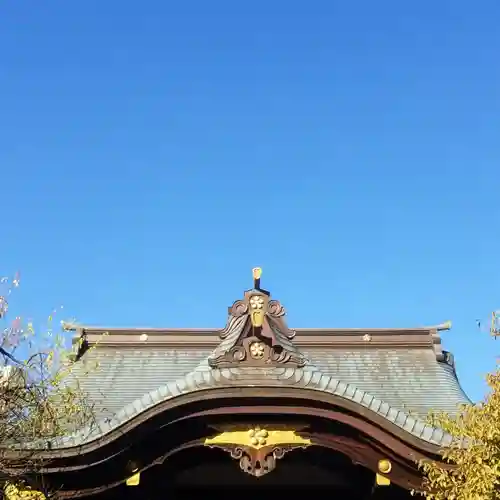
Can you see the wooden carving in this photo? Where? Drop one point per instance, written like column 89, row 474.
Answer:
column 258, row 449
column 256, row 334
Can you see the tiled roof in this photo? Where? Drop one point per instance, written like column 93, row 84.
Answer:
column 400, row 375
column 398, row 384
column 408, row 379
column 412, row 381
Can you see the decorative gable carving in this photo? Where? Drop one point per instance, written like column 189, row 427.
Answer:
column 256, row 333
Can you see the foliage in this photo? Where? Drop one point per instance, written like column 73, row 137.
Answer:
column 37, row 401
column 475, row 451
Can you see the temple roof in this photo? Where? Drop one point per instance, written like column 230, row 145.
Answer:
column 399, row 374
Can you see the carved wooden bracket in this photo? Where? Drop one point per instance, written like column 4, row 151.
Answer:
column 256, row 334
column 258, row 449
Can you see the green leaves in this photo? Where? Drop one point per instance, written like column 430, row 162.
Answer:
column 475, row 451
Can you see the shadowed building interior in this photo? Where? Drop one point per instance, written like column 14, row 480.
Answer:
column 255, row 405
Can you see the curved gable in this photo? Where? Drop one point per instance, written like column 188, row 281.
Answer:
column 394, row 375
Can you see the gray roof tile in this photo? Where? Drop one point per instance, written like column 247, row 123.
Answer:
column 195, row 380
column 410, row 380
column 399, row 384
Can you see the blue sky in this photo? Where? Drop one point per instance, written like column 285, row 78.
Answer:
column 152, row 153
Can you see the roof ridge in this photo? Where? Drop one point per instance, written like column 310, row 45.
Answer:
column 98, row 329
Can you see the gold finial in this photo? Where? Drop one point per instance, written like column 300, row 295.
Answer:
column 257, row 273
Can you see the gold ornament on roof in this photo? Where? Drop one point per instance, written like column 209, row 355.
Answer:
column 257, row 273
column 258, row 437
column 256, row 302
column 384, row 468
column 258, row 449
column 257, row 350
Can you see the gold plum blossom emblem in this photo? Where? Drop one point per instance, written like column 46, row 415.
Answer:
column 257, row 350
column 256, row 302
column 258, row 436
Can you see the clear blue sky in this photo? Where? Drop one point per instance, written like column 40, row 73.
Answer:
column 152, row 153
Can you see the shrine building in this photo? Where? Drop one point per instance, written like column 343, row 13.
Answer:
column 255, row 406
